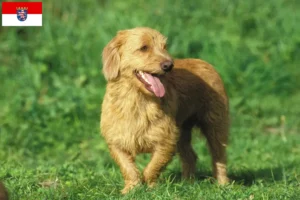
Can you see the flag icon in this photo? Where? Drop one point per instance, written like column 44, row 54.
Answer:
column 22, row 13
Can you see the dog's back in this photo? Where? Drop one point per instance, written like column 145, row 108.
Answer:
column 198, row 87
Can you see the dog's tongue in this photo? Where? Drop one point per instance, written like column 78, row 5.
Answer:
column 156, row 86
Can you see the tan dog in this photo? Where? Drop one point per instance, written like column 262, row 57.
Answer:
column 152, row 103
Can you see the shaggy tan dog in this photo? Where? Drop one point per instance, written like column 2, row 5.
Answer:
column 152, row 103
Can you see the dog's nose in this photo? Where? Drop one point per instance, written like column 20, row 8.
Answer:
column 167, row 65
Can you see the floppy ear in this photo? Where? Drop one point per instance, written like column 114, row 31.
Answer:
column 111, row 57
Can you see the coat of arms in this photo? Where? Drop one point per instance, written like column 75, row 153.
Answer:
column 22, row 13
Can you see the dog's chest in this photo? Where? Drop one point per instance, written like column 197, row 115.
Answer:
column 140, row 126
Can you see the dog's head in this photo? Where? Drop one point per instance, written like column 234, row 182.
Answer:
column 139, row 54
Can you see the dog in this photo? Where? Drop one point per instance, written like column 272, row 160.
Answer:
column 152, row 102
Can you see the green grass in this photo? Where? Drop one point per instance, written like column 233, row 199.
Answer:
column 51, row 88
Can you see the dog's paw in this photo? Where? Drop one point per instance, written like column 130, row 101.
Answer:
column 129, row 186
column 223, row 180
column 125, row 190
column 151, row 184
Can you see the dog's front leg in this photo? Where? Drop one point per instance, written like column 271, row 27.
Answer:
column 160, row 158
column 128, row 168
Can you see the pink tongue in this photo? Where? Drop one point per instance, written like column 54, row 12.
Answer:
column 156, row 86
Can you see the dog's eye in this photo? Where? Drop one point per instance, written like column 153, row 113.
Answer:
column 165, row 47
column 144, row 48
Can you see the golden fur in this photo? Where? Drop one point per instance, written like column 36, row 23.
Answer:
column 134, row 120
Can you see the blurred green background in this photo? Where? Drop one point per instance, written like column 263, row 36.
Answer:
column 51, row 88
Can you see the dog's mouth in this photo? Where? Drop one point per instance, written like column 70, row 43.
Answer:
column 151, row 82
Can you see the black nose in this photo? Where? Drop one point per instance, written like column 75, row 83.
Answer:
column 167, row 65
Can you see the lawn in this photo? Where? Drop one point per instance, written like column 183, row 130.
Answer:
column 51, row 89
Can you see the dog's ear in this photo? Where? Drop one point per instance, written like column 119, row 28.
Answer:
column 111, row 57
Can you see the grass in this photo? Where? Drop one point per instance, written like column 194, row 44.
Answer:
column 52, row 87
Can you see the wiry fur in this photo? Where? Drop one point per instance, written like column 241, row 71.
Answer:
column 134, row 120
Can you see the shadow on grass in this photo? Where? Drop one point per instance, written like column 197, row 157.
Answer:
column 245, row 177
column 175, row 176
column 250, row 177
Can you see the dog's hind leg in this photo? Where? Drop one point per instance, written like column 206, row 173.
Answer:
column 216, row 133
column 128, row 168
column 187, row 155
